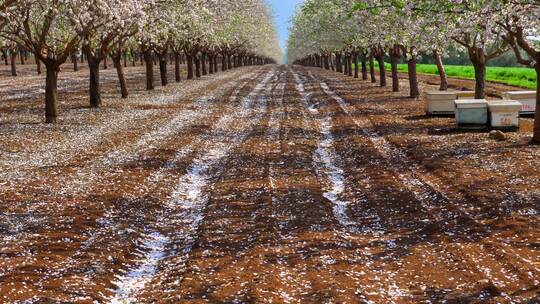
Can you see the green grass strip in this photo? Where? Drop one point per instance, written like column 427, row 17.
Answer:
column 514, row 76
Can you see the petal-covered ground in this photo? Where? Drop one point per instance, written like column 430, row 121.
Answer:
column 265, row 184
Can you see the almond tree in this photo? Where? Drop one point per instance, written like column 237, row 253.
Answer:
column 474, row 27
column 107, row 24
column 472, row 24
column 123, row 43
column 3, row 50
column 314, row 32
column 197, row 21
column 255, row 35
column 241, row 29
column 47, row 28
column 522, row 26
column 154, row 36
column 408, row 30
column 415, row 34
column 360, row 34
column 55, row 29
column 10, row 52
column 4, row 6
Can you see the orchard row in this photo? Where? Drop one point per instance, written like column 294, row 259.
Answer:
column 355, row 33
column 197, row 32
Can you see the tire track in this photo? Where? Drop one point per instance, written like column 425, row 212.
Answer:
column 326, row 160
column 111, row 222
column 81, row 180
column 291, row 287
column 433, row 199
column 22, row 165
column 189, row 201
column 152, row 183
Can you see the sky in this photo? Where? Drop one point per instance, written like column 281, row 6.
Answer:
column 283, row 11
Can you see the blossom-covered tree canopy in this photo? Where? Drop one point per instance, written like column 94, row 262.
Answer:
column 398, row 28
column 56, row 29
column 4, row 5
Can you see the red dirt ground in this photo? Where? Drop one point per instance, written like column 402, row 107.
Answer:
column 265, row 184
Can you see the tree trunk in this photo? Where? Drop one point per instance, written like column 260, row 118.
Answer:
column 21, row 53
column 356, row 67
column 38, row 65
column 163, row 69
column 189, row 66
column 442, row 71
column 105, row 65
column 75, row 60
column 13, row 63
column 197, row 66
column 536, row 135
column 216, row 63
column 413, row 77
column 364, row 68
column 339, row 64
column 382, row 70
column 51, row 93
column 372, row 69
column 210, row 64
column 223, row 63
column 203, row 64
column 350, row 64
column 149, row 70
column 229, row 62
column 326, row 62
column 5, row 55
column 133, row 58
column 121, row 76
column 394, row 58
column 478, row 59
column 95, row 94
column 177, row 72
column 480, row 79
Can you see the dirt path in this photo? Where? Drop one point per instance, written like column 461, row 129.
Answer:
column 265, row 185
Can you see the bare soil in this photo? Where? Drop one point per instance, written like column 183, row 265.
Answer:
column 265, row 184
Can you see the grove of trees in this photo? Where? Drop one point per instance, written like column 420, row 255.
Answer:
column 201, row 32
column 334, row 34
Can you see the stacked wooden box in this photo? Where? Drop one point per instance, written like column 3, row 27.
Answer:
column 442, row 102
column 526, row 98
column 471, row 113
column 504, row 114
